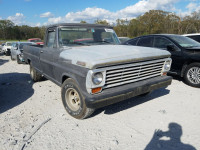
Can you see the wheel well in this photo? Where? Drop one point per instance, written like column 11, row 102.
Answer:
column 64, row 78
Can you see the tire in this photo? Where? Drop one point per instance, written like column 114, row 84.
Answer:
column 11, row 57
column 192, row 75
column 7, row 53
column 74, row 101
column 35, row 76
column 18, row 60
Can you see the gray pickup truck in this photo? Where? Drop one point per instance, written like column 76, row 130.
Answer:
column 92, row 69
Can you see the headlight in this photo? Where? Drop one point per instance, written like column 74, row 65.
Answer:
column 167, row 65
column 97, row 78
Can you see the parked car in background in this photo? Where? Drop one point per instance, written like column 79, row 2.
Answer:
column 1, row 47
column 194, row 36
column 185, row 54
column 17, row 51
column 123, row 39
column 38, row 41
column 6, row 48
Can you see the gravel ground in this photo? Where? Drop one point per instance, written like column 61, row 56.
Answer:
column 32, row 117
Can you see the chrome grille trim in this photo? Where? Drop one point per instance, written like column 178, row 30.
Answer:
column 124, row 74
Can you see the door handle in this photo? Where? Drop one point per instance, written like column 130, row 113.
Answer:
column 41, row 51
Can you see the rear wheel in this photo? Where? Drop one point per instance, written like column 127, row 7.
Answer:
column 74, row 101
column 35, row 76
column 192, row 75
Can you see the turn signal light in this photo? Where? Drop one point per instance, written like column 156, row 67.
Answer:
column 96, row 90
column 164, row 73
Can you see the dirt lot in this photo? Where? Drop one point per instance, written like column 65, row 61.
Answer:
column 32, row 117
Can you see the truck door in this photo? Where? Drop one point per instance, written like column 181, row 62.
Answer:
column 46, row 53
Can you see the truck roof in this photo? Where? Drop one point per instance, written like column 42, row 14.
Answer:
column 79, row 25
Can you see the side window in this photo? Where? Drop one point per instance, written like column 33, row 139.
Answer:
column 106, row 36
column 146, row 41
column 133, row 42
column 51, row 38
column 162, row 43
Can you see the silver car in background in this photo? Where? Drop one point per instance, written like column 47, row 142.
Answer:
column 6, row 48
column 1, row 46
column 17, row 51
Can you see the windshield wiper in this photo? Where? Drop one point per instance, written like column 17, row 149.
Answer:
column 79, row 43
column 103, row 41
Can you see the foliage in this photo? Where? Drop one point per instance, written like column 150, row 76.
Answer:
column 104, row 22
column 9, row 31
column 152, row 22
column 82, row 21
column 156, row 22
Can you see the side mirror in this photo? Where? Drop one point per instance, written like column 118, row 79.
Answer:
column 171, row 48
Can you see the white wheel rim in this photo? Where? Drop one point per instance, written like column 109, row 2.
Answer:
column 193, row 75
column 72, row 99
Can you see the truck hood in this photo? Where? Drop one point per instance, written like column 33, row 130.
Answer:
column 96, row 56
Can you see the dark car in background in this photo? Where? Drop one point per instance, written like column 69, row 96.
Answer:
column 185, row 54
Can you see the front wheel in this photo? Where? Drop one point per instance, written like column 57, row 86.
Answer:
column 18, row 60
column 192, row 75
column 73, row 100
column 11, row 57
column 7, row 53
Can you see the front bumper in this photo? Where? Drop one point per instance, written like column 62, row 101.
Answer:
column 117, row 94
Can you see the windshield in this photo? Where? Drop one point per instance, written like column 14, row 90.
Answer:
column 73, row 36
column 22, row 44
column 13, row 44
column 185, row 41
column 9, row 44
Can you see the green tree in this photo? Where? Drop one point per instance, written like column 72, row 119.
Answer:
column 121, row 27
column 82, row 21
column 104, row 22
column 5, row 28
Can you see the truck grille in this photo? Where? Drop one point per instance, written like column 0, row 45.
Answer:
column 124, row 74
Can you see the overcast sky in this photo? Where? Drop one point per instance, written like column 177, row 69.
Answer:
column 43, row 12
